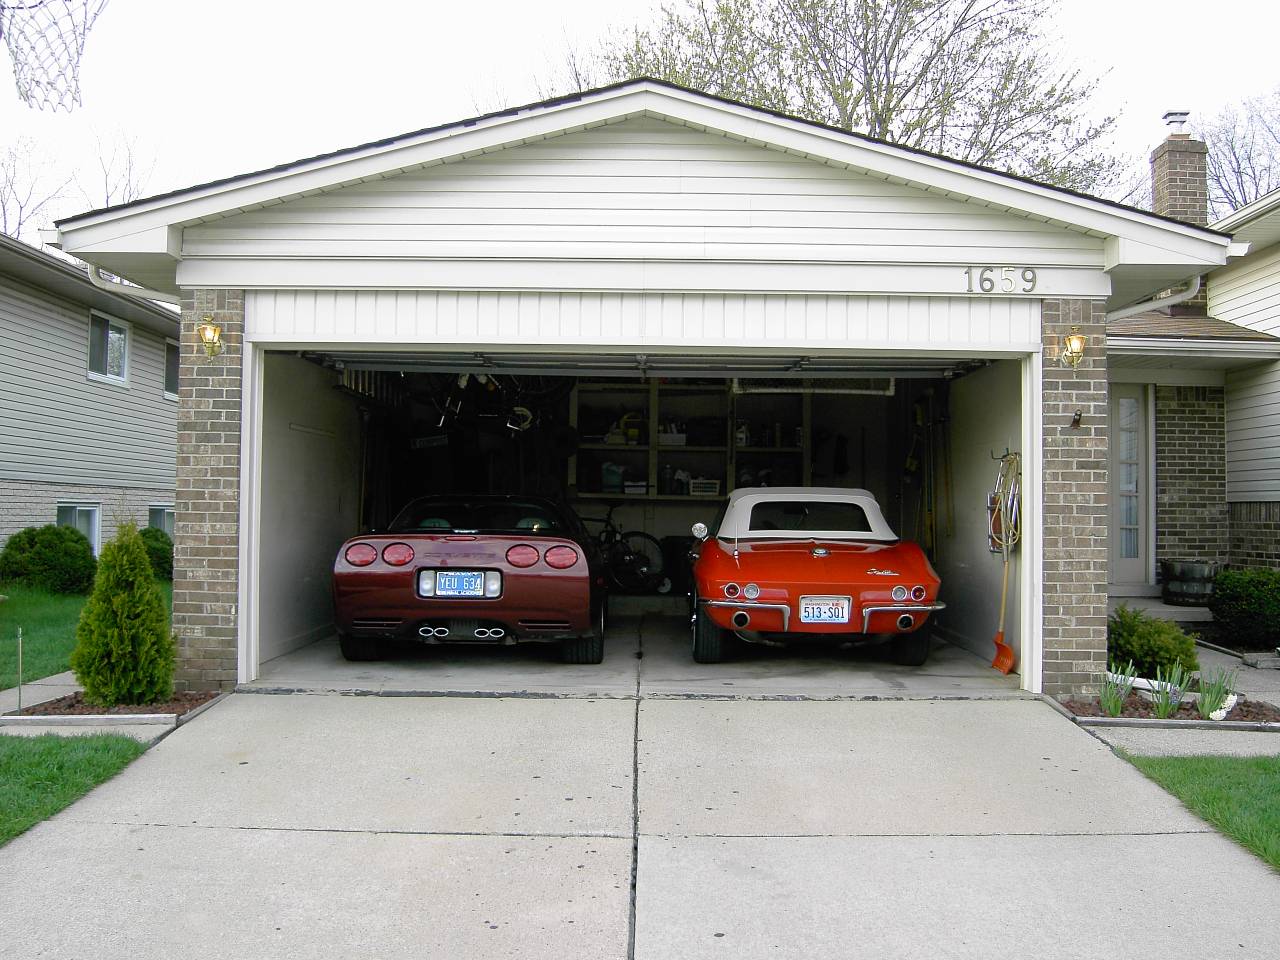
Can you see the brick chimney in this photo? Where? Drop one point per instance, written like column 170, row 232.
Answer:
column 1180, row 188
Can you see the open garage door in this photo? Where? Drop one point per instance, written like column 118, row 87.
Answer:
column 654, row 441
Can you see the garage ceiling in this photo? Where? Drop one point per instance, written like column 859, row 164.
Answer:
column 641, row 364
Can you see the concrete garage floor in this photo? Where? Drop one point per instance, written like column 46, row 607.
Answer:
column 481, row 827
column 645, row 655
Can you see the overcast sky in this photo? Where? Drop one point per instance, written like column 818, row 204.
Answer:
column 218, row 88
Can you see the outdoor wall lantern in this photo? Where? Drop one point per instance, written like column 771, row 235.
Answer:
column 1073, row 345
column 210, row 335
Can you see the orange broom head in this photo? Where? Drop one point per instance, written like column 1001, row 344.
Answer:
column 1004, row 654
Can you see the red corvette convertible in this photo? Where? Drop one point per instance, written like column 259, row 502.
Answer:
column 483, row 569
column 807, row 563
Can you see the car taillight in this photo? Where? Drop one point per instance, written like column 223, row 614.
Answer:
column 397, row 554
column 899, row 592
column 360, row 554
column 917, row 593
column 731, row 590
column 522, row 555
column 561, row 557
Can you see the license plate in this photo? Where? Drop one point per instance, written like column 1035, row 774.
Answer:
column 458, row 583
column 824, row 609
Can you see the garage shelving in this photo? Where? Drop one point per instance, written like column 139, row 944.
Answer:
column 643, row 411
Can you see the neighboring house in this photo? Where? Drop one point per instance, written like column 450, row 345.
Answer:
column 88, row 400
column 646, row 229
column 1247, row 293
column 1195, row 400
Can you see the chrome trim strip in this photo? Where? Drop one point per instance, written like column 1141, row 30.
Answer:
column 749, row 605
column 899, row 608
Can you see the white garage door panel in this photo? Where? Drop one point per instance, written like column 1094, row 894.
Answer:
column 673, row 320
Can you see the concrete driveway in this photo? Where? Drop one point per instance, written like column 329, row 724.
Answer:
column 337, row 826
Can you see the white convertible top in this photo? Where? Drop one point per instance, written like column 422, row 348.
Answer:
column 736, row 524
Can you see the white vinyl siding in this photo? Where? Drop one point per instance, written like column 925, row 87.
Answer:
column 618, row 320
column 639, row 189
column 60, row 426
column 1248, row 293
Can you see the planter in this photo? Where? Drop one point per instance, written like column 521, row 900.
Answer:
column 1187, row 583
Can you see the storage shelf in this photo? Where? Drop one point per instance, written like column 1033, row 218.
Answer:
column 769, row 449
column 638, row 447
column 662, row 497
column 689, row 448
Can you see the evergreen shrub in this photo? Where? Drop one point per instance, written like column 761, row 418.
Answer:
column 53, row 558
column 124, row 652
column 1150, row 643
column 159, row 551
column 1246, row 606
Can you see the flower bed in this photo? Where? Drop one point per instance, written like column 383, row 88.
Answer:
column 1137, row 708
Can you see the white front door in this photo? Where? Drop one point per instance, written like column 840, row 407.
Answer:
column 1129, row 464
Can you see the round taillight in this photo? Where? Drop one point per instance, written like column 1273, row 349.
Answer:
column 751, row 591
column 899, row 592
column 360, row 554
column 731, row 590
column 522, row 555
column 561, row 557
column 397, row 554
column 917, row 593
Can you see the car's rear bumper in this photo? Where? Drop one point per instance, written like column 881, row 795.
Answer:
column 781, row 617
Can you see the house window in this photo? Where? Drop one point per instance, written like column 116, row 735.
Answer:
column 171, row 370
column 108, row 348
column 161, row 518
column 84, row 517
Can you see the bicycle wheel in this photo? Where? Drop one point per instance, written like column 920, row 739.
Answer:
column 642, row 566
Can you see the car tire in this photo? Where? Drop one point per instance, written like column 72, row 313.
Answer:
column 911, row 650
column 710, row 642
column 588, row 649
column 360, row 649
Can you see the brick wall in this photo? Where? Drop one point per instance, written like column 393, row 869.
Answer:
column 1191, row 473
column 27, row 504
column 207, row 502
column 1075, row 501
column 1255, row 534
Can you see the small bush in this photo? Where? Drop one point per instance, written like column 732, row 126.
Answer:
column 1151, row 644
column 1246, row 605
column 124, row 653
column 159, row 551
column 53, row 558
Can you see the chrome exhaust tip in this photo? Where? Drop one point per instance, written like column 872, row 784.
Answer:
column 741, row 619
column 433, row 632
column 496, row 633
column 482, row 633
column 906, row 622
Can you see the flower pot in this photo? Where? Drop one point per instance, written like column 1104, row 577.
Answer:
column 1187, row 583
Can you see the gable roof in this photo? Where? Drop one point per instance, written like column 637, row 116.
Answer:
column 142, row 239
column 1257, row 223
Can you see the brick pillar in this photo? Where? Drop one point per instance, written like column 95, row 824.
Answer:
column 207, row 502
column 1191, row 473
column 1180, row 189
column 1075, row 501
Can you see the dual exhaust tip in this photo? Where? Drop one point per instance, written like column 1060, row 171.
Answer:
column 480, row 633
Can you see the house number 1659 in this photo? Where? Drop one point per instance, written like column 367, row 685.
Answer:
column 1000, row 279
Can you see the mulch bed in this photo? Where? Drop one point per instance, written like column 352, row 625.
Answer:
column 74, row 705
column 1135, row 707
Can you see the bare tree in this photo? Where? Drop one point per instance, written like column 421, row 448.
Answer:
column 26, row 193
column 122, row 176
column 1244, row 153
column 972, row 79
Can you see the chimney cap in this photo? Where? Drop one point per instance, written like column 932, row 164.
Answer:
column 1177, row 122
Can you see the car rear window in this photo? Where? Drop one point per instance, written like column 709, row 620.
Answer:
column 477, row 516
column 808, row 515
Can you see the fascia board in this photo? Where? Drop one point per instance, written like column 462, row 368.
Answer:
column 1124, row 251
column 452, row 144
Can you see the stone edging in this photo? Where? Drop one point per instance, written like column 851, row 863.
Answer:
column 172, row 720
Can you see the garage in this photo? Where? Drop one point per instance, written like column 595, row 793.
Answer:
column 639, row 296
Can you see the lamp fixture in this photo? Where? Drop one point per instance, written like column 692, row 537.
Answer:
column 210, row 335
column 1073, row 345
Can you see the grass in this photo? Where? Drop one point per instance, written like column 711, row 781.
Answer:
column 1238, row 795
column 48, row 622
column 41, row 775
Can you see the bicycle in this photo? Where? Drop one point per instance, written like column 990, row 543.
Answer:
column 633, row 559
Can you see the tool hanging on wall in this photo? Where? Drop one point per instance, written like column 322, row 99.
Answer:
column 1004, row 530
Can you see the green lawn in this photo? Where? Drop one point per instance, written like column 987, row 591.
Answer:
column 1238, row 795
column 48, row 622
column 41, row 775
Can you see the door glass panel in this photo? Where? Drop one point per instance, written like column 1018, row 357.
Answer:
column 1129, row 543
column 1129, row 511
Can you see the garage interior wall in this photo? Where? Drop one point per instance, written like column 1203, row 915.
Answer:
column 986, row 419
column 310, row 501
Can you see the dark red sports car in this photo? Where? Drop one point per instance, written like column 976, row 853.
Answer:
column 482, row 569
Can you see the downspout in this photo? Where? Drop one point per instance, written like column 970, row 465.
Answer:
column 140, row 293
column 1174, row 298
